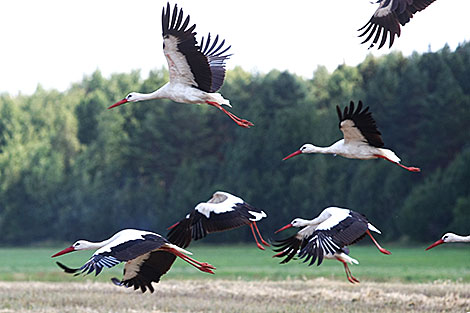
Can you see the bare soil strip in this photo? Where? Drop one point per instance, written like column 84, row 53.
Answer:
column 317, row 295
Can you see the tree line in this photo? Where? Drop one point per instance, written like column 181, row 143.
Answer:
column 71, row 169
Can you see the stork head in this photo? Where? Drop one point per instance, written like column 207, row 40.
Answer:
column 449, row 237
column 306, row 148
column 297, row 222
column 132, row 97
column 78, row 245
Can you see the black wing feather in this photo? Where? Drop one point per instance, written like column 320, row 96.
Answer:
column 208, row 68
column 364, row 121
column 389, row 25
column 151, row 270
column 197, row 225
column 289, row 247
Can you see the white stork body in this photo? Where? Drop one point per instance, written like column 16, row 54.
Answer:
column 362, row 140
column 222, row 212
column 327, row 236
column 450, row 237
column 148, row 256
column 387, row 19
column 196, row 72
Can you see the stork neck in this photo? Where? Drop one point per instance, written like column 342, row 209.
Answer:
column 458, row 238
column 160, row 93
column 316, row 149
column 96, row 245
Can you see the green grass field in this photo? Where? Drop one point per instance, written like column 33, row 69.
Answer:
column 246, row 262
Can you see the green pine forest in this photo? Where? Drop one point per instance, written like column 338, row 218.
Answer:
column 71, row 169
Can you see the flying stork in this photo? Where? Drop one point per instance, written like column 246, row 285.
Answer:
column 388, row 17
column 148, row 256
column 327, row 236
column 362, row 140
column 450, row 237
column 222, row 212
column 196, row 71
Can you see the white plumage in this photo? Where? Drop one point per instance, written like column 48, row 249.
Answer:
column 327, row 236
column 196, row 71
column 148, row 256
column 362, row 140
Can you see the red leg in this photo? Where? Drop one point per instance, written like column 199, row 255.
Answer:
column 410, row 168
column 254, row 236
column 259, row 234
column 236, row 119
column 204, row 267
column 349, row 275
column 384, row 251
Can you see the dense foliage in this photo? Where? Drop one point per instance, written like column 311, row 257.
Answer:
column 71, row 169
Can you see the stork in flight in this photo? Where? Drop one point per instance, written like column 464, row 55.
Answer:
column 148, row 256
column 222, row 212
column 327, row 236
column 449, row 237
column 362, row 140
column 387, row 19
column 196, row 71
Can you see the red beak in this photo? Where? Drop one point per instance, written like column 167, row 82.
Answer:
column 172, row 226
column 66, row 250
column 292, row 155
column 283, row 228
column 439, row 242
column 118, row 103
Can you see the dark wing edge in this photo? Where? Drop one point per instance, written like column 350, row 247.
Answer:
column 157, row 265
column 401, row 12
column 95, row 264
column 216, row 57
column 364, row 121
column 180, row 234
column 319, row 244
column 240, row 216
column 288, row 248
column 172, row 24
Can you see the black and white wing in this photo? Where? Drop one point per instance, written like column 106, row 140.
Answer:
column 333, row 235
column 203, row 66
column 291, row 246
column 214, row 216
column 387, row 19
column 115, row 253
column 145, row 269
column 358, row 125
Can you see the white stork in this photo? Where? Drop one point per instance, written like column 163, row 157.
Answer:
column 450, row 237
column 196, row 72
column 222, row 212
column 327, row 236
column 148, row 256
column 388, row 17
column 362, row 140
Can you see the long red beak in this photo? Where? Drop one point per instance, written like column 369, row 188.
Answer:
column 66, row 250
column 439, row 242
column 292, row 155
column 172, row 226
column 283, row 228
column 118, row 103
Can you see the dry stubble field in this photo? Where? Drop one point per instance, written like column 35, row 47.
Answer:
column 313, row 295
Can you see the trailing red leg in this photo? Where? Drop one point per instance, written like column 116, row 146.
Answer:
column 349, row 275
column 236, row 119
column 254, row 236
column 202, row 266
column 259, row 234
column 409, row 168
column 384, row 251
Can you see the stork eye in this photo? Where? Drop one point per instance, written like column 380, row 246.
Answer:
column 77, row 244
column 163, row 45
column 129, row 96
